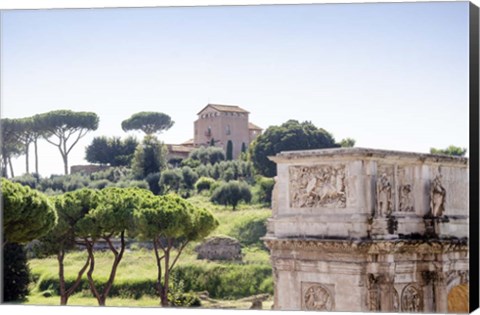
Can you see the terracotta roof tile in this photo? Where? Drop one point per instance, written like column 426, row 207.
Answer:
column 253, row 126
column 225, row 108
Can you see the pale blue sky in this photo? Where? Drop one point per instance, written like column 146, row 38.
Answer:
column 391, row 76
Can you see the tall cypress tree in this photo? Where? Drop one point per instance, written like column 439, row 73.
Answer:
column 229, row 153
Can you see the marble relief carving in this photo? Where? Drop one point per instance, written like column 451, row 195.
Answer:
column 384, row 196
column 406, row 198
column 412, row 299
column 437, row 197
column 316, row 297
column 373, row 294
column 317, row 186
column 396, row 301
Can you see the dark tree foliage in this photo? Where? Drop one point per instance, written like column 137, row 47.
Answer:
column 229, row 155
column 27, row 213
column 11, row 146
column 289, row 136
column 170, row 181
column 265, row 190
column 150, row 157
column 451, row 150
column 16, row 275
column 204, row 183
column 153, row 180
column 347, row 143
column 189, row 177
column 112, row 151
column 67, row 127
column 148, row 122
column 207, row 155
column 231, row 193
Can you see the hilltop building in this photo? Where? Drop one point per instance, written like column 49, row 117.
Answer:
column 216, row 125
column 220, row 125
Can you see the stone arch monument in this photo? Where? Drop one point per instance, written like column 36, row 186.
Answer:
column 358, row 229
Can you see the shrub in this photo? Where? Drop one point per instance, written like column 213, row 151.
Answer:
column 204, row 183
column 225, row 281
column 265, row 188
column 131, row 184
column 177, row 296
column 112, row 174
column 170, row 181
column 231, row 193
column 27, row 180
column 99, row 184
column 64, row 183
column 250, row 229
column 189, row 178
column 206, row 155
column 16, row 274
column 153, row 182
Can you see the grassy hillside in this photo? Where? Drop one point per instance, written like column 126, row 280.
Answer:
column 136, row 275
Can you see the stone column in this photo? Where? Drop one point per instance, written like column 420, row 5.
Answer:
column 373, row 294
column 440, row 293
column 427, row 284
column 386, row 292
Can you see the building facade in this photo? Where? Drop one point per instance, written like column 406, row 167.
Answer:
column 224, row 126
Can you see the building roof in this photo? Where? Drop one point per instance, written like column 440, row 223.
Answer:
column 188, row 142
column 253, row 126
column 175, row 148
column 225, row 108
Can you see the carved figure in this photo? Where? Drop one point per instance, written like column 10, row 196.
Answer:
column 373, row 296
column 318, row 186
column 318, row 298
column 437, row 197
column 275, row 196
column 406, row 200
column 396, row 302
column 412, row 299
column 384, row 196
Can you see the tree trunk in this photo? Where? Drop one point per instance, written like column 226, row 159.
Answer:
column 27, row 149
column 159, row 268
column 90, row 273
column 101, row 297
column 35, row 146
column 4, row 167
column 65, row 163
column 11, row 167
column 166, row 276
column 116, row 262
column 61, row 277
column 72, row 289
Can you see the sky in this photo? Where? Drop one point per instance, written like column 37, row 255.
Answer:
column 389, row 75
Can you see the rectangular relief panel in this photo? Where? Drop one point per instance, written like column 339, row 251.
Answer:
column 319, row 186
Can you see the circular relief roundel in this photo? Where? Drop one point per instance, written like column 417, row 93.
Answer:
column 318, row 298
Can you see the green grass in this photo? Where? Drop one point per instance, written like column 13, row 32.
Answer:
column 146, row 301
column 80, row 300
column 229, row 218
column 136, row 275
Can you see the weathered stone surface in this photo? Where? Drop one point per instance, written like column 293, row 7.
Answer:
column 368, row 230
column 219, row 248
